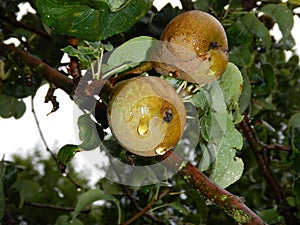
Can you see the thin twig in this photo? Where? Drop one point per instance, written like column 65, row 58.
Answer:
column 25, row 26
column 265, row 168
column 46, row 145
column 278, row 147
column 73, row 182
column 136, row 205
column 55, row 207
column 40, row 130
column 9, row 218
column 50, row 206
column 147, row 207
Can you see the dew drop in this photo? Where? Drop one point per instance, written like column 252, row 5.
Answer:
column 79, row 189
column 160, row 150
column 130, row 116
column 64, row 174
column 142, row 129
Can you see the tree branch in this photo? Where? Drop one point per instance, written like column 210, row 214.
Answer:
column 187, row 4
column 25, row 26
column 8, row 218
column 147, row 207
column 136, row 205
column 278, row 147
column 40, row 130
column 257, row 147
column 55, row 207
column 49, row 206
column 230, row 203
column 47, row 72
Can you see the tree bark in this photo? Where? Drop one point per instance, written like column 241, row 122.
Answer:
column 230, row 203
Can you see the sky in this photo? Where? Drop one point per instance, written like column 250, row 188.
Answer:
column 21, row 136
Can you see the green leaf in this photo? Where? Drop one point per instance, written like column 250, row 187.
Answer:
column 296, row 191
column 242, row 55
column 10, row 175
column 2, row 200
column 271, row 216
column 213, row 122
column 116, row 4
column 265, row 78
column 231, row 83
column 111, row 187
column 213, row 126
column 251, row 23
column 66, row 220
column 87, row 54
column 87, row 133
column 28, row 190
column 228, row 89
column 198, row 199
column 259, row 104
column 91, row 196
column 200, row 99
column 219, row 99
column 282, row 15
column 269, row 77
column 245, row 97
column 133, row 51
column 11, row 106
column 178, row 207
column 202, row 5
column 297, row 2
column 227, row 167
column 238, row 34
column 92, row 20
column 66, row 153
column 3, row 75
column 294, row 131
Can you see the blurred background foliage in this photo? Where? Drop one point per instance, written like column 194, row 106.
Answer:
column 34, row 190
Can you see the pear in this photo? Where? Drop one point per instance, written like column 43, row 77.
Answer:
column 146, row 115
column 193, row 48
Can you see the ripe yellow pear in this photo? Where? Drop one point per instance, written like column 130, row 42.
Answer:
column 193, row 47
column 146, row 115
